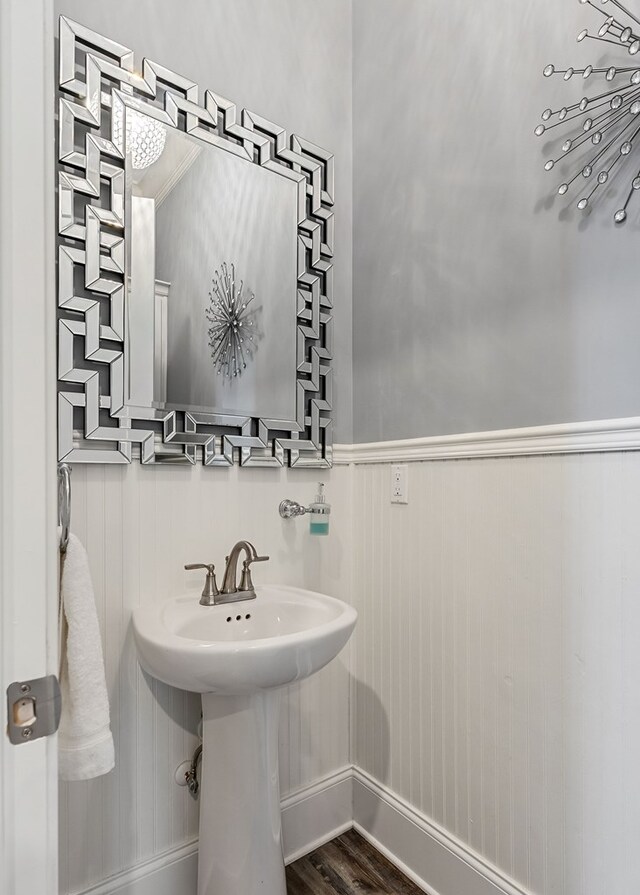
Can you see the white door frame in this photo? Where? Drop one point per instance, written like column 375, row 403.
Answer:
column 28, row 548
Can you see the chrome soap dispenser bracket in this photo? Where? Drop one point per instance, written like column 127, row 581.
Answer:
column 318, row 511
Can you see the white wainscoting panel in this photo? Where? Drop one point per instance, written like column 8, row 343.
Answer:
column 140, row 526
column 496, row 669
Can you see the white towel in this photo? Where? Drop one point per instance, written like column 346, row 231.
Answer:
column 85, row 743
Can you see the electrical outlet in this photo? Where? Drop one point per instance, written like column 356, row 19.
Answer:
column 399, row 486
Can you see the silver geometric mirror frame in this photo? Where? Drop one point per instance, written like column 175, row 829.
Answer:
column 97, row 82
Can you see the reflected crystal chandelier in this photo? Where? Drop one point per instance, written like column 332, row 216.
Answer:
column 605, row 124
column 229, row 317
column 145, row 137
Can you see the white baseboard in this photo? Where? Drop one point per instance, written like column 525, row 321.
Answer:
column 435, row 860
column 173, row 871
column 316, row 814
column 310, row 817
column 430, row 856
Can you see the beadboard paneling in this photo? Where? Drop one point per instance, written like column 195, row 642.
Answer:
column 496, row 661
column 140, row 526
column 494, row 664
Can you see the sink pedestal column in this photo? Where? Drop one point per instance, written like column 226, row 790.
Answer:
column 240, row 850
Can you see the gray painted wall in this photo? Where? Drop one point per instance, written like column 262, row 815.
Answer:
column 288, row 60
column 479, row 301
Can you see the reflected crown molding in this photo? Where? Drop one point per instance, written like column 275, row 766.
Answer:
column 177, row 174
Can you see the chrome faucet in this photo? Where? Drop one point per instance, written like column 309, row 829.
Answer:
column 246, row 591
column 230, row 592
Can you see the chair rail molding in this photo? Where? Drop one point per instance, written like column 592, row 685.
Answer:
column 598, row 436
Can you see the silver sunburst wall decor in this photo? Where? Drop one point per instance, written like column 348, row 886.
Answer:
column 606, row 123
column 229, row 318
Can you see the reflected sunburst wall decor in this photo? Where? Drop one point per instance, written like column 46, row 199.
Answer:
column 229, row 316
column 607, row 121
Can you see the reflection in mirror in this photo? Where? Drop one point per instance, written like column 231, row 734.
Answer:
column 211, row 309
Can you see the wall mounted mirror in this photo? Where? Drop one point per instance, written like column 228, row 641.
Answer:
column 194, row 288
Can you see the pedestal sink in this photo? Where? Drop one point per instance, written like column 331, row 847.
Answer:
column 238, row 655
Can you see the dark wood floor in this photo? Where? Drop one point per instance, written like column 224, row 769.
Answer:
column 347, row 866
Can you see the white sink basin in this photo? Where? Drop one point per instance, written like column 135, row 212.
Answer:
column 238, row 655
column 285, row 634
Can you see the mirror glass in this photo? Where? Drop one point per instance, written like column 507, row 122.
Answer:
column 212, row 277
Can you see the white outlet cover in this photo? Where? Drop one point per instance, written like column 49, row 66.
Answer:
column 399, row 484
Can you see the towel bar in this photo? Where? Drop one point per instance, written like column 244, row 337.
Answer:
column 64, row 503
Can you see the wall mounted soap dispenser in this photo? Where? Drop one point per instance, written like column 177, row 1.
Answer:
column 319, row 512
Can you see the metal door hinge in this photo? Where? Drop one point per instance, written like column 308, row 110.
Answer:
column 33, row 709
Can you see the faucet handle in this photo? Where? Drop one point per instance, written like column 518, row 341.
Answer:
column 246, row 583
column 210, row 590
